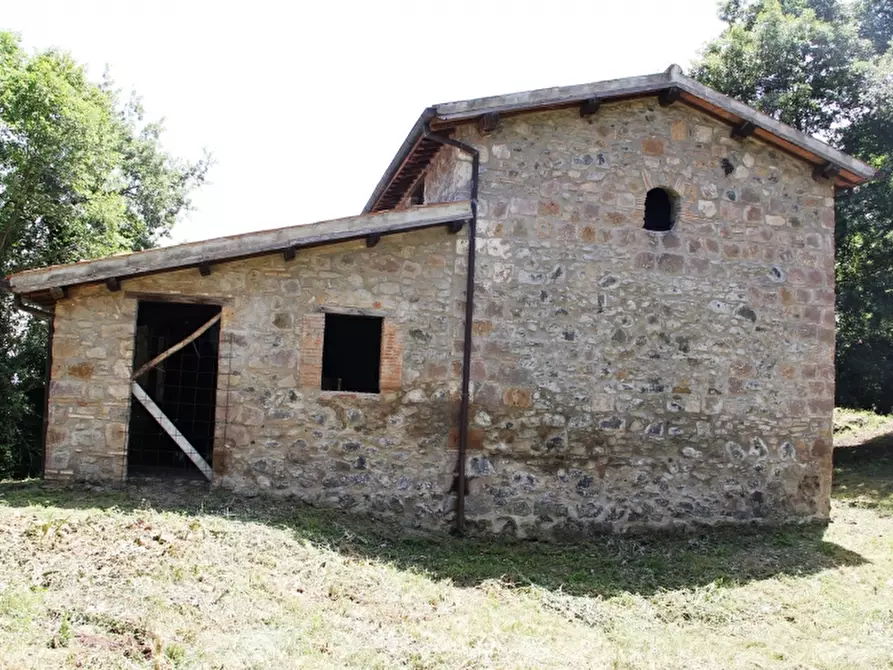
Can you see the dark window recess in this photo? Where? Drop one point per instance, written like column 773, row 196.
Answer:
column 417, row 197
column 660, row 210
column 184, row 386
column 351, row 353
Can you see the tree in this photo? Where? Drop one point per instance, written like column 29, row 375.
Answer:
column 876, row 23
column 826, row 68
column 787, row 62
column 81, row 175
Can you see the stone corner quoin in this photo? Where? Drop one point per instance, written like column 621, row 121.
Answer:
column 621, row 378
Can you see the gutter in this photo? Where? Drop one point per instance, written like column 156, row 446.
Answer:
column 469, row 315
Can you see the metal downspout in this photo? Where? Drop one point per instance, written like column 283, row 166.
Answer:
column 469, row 315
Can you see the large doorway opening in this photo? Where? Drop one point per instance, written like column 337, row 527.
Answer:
column 182, row 386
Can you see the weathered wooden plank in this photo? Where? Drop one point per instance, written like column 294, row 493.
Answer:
column 239, row 246
column 171, row 430
column 191, row 298
column 463, row 109
column 174, row 349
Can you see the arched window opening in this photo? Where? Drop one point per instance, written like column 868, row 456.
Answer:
column 660, row 210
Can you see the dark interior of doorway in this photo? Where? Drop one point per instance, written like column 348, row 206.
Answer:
column 184, row 386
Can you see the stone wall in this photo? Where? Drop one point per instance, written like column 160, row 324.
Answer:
column 625, row 377
column 276, row 430
column 90, row 389
column 621, row 378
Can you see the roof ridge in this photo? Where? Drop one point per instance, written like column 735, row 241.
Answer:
column 846, row 170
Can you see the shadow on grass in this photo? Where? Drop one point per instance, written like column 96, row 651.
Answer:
column 609, row 566
column 863, row 474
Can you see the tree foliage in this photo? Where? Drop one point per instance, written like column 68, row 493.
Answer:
column 826, row 68
column 783, row 59
column 81, row 175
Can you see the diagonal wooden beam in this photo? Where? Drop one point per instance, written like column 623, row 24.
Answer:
column 171, row 429
column 174, row 349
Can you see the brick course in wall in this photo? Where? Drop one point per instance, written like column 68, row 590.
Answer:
column 312, row 330
column 620, row 378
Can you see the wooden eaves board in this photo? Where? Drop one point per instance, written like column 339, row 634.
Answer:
column 239, row 246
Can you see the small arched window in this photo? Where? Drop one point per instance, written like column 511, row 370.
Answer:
column 660, row 210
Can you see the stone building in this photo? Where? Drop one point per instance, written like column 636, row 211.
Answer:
column 565, row 311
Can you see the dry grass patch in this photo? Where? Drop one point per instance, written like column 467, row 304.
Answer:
column 855, row 427
column 184, row 578
column 863, row 460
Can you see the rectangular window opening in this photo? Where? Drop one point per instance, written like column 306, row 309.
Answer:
column 183, row 386
column 351, row 353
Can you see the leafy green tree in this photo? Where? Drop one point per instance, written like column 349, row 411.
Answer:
column 81, row 175
column 876, row 23
column 826, row 68
column 787, row 62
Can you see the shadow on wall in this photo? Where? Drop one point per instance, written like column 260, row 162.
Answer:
column 614, row 565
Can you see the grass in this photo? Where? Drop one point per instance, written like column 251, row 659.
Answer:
column 863, row 460
column 854, row 427
column 177, row 577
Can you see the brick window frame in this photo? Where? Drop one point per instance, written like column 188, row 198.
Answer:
column 313, row 325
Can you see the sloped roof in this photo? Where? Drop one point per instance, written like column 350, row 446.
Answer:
column 416, row 151
column 39, row 284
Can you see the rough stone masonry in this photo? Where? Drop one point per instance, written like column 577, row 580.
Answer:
column 625, row 377
column 621, row 378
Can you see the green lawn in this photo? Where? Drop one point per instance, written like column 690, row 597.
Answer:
column 169, row 578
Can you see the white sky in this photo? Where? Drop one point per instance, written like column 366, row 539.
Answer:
column 303, row 104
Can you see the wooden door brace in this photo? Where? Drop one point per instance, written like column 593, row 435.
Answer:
column 171, row 429
column 174, row 349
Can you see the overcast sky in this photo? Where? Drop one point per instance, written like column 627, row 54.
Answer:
column 303, row 105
